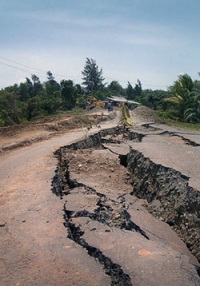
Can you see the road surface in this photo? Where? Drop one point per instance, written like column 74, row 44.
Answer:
column 35, row 250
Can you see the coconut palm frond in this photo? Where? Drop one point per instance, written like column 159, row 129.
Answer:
column 174, row 99
column 192, row 114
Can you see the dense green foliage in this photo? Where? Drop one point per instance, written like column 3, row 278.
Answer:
column 134, row 93
column 33, row 99
column 92, row 76
column 185, row 98
column 155, row 99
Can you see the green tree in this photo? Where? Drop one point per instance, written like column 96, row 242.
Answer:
column 34, row 108
column 115, row 88
column 155, row 98
column 192, row 113
column 12, row 88
column 69, row 93
column 181, row 94
column 30, row 87
column 23, row 92
column 130, row 92
column 46, row 97
column 80, row 100
column 133, row 93
column 51, row 85
column 11, row 111
column 37, row 86
column 52, row 104
column 92, row 76
column 43, row 104
column 138, row 88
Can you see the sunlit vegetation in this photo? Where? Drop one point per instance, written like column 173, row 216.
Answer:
column 33, row 99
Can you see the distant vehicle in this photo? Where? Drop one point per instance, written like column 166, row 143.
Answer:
column 92, row 102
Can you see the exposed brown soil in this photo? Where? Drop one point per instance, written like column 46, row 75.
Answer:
column 143, row 113
column 16, row 136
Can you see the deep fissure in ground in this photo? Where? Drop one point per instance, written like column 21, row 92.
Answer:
column 104, row 212
column 179, row 204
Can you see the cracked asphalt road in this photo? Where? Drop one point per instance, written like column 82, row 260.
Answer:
column 35, row 249
column 173, row 148
column 102, row 217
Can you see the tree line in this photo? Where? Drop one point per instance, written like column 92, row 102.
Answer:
column 34, row 99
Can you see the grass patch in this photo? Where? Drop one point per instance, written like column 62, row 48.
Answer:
column 75, row 111
column 170, row 118
column 58, row 115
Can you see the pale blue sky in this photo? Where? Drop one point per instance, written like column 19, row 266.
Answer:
column 150, row 40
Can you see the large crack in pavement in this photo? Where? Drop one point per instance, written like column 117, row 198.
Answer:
column 168, row 191
column 100, row 203
column 179, row 204
column 118, row 277
column 108, row 213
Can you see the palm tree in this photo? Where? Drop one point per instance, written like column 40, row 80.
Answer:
column 192, row 114
column 181, row 91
